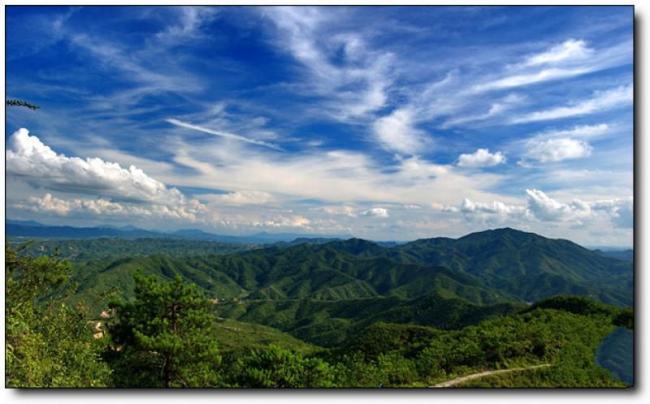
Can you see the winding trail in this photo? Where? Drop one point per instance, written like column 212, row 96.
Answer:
column 463, row 379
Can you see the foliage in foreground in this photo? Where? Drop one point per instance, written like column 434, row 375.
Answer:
column 164, row 337
column 48, row 343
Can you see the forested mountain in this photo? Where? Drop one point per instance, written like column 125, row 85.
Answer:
column 355, row 312
column 527, row 265
column 489, row 267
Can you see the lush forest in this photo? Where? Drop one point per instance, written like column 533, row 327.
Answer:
column 108, row 312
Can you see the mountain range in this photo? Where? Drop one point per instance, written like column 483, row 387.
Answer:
column 32, row 229
column 322, row 290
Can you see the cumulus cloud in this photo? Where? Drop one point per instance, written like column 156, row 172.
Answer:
column 601, row 101
column 127, row 193
column 295, row 221
column 546, row 208
column 481, row 158
column 495, row 212
column 340, row 210
column 48, row 203
column 559, row 149
column 376, row 212
column 618, row 211
column 241, row 198
column 38, row 164
column 539, row 207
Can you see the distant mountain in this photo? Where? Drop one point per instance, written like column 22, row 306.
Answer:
column 625, row 255
column 41, row 231
column 17, row 228
column 24, row 223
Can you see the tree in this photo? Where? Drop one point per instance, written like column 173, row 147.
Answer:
column 276, row 367
column 21, row 103
column 48, row 342
column 164, row 338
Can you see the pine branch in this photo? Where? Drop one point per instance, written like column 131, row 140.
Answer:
column 21, row 103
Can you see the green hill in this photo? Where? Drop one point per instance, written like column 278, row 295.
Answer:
column 237, row 335
column 526, row 265
column 321, row 292
column 329, row 323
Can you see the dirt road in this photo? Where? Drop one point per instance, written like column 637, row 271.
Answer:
column 463, row 379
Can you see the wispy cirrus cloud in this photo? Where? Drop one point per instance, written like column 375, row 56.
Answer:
column 570, row 49
column 354, row 86
column 600, row 101
column 219, row 133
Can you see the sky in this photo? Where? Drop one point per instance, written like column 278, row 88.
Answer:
column 386, row 123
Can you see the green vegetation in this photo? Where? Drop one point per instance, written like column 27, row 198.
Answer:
column 488, row 268
column 98, row 250
column 616, row 353
column 234, row 336
column 164, row 338
column 48, row 343
column 21, row 103
column 329, row 323
column 328, row 314
column 275, row 367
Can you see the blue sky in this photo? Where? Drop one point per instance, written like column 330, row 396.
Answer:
column 389, row 123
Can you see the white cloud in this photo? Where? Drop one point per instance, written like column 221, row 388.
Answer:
column 343, row 177
column 495, row 212
column 189, row 23
column 286, row 221
column 545, row 208
column 37, row 163
column 396, row 132
column 226, row 135
column 498, row 108
column 579, row 131
column 241, row 198
column 541, row 208
column 519, row 80
column 571, row 49
column 192, row 211
column 481, row 158
column 376, row 212
column 553, row 150
column 620, row 210
column 340, row 210
column 601, row 101
column 569, row 59
column 305, row 33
